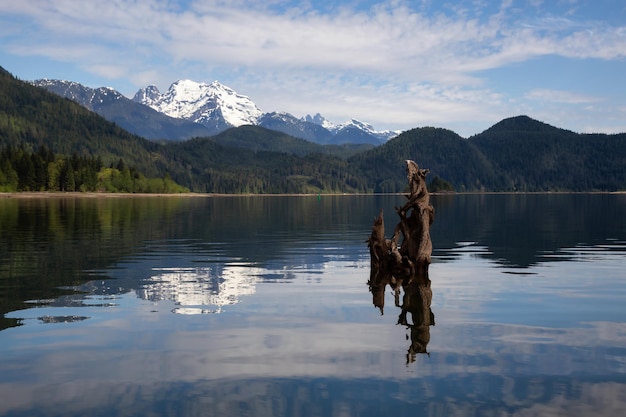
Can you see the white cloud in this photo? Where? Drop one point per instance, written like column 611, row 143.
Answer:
column 393, row 63
column 560, row 96
column 388, row 38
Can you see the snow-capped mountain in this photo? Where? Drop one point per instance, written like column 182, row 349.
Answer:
column 318, row 119
column 91, row 98
column 219, row 107
column 298, row 128
column 148, row 95
column 134, row 117
column 353, row 131
column 191, row 109
column 211, row 105
column 320, row 130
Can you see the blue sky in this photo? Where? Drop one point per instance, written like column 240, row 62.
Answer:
column 461, row 65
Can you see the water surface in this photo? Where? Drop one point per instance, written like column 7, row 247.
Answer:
column 259, row 306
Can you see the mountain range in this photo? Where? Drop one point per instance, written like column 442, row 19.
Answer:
column 191, row 109
column 517, row 154
column 129, row 115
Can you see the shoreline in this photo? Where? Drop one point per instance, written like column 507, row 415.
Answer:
column 77, row 194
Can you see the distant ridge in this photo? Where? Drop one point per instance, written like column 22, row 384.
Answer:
column 191, row 109
column 288, row 124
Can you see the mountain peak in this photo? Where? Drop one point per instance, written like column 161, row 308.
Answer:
column 147, row 94
column 318, row 119
column 521, row 123
column 213, row 105
column 358, row 124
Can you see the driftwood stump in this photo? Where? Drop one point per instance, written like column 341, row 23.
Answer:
column 402, row 261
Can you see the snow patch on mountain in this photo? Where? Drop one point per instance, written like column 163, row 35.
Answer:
column 367, row 128
column 318, row 119
column 201, row 103
column 148, row 95
column 90, row 98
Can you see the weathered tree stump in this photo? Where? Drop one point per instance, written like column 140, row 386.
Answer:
column 404, row 263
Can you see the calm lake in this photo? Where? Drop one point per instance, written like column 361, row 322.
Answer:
column 259, row 306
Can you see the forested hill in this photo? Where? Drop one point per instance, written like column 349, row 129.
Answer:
column 34, row 117
column 534, row 156
column 256, row 138
column 516, row 154
column 446, row 154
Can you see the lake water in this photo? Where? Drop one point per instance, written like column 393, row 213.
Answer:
column 259, row 306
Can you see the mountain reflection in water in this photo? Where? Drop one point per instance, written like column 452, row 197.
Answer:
column 200, row 290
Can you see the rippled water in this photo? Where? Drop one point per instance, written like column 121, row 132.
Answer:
column 259, row 306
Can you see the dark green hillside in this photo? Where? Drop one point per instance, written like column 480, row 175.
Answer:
column 34, row 117
column 347, row 149
column 446, row 154
column 540, row 157
column 211, row 167
column 256, row 138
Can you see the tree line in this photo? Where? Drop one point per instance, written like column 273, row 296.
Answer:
column 22, row 169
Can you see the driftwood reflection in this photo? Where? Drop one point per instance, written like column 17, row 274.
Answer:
column 416, row 301
column 403, row 264
column 413, row 298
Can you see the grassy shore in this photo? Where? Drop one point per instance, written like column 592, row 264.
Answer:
column 45, row 194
